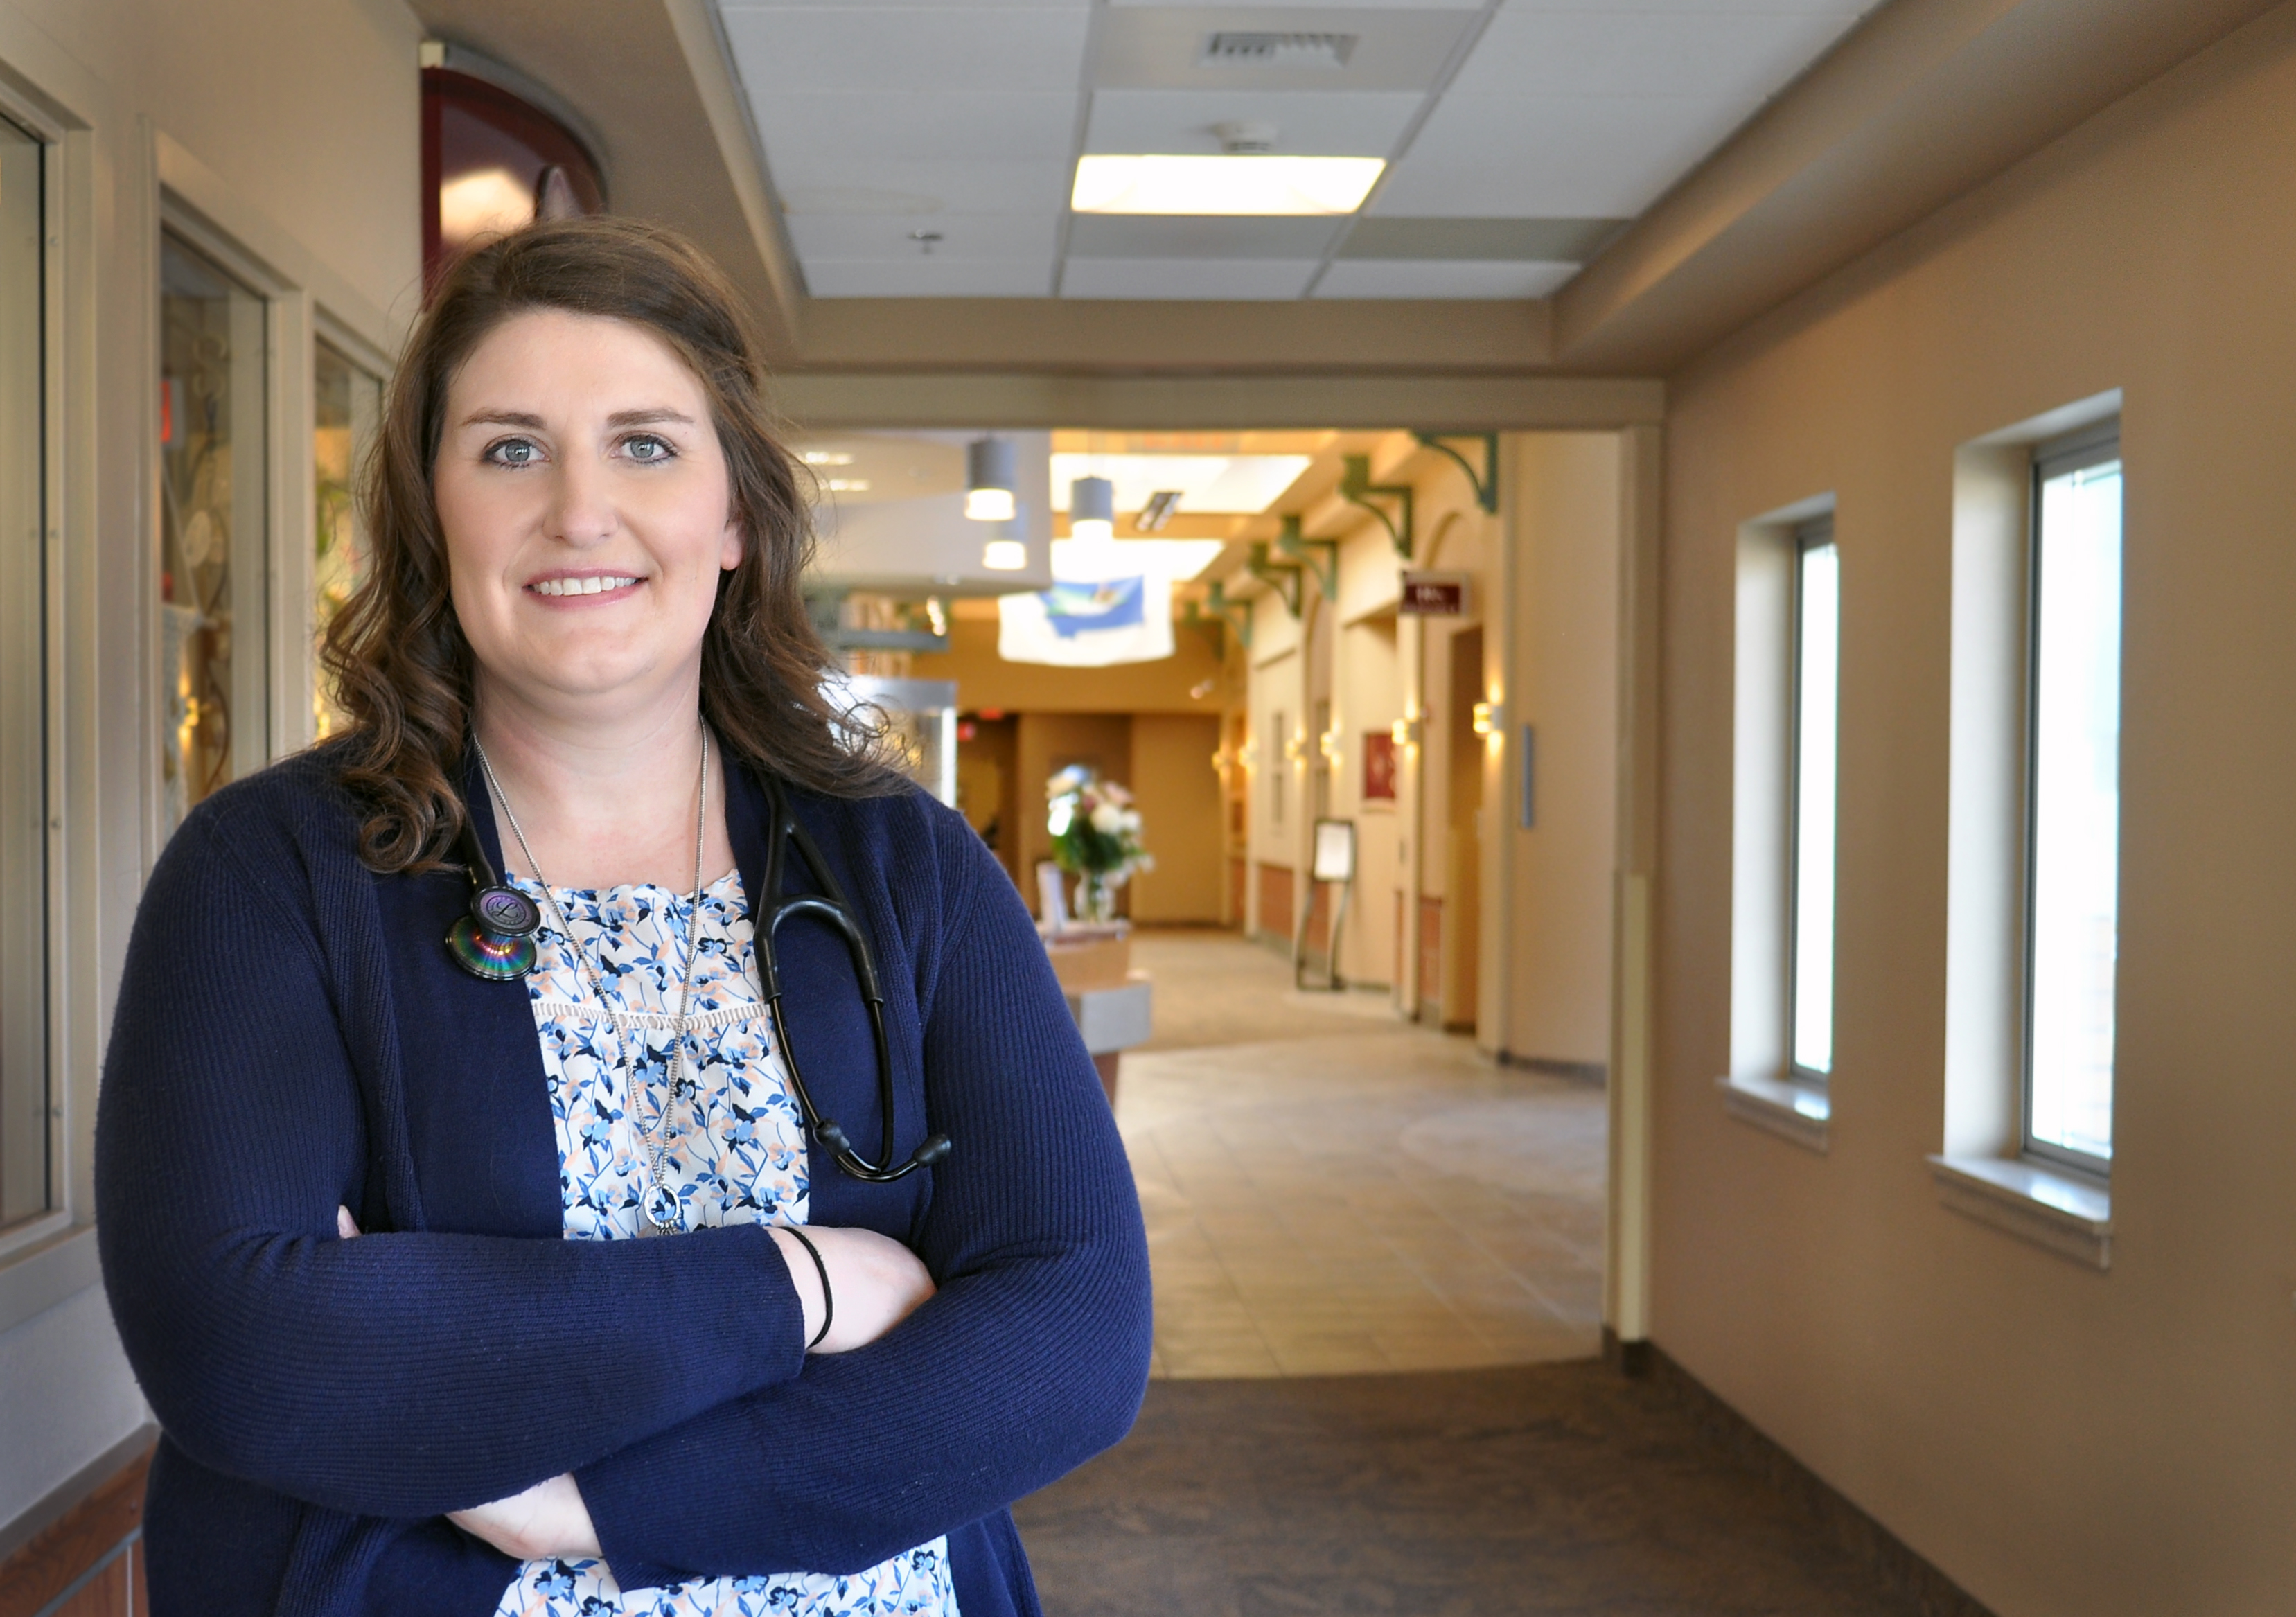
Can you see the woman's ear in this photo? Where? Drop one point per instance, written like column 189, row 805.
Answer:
column 729, row 553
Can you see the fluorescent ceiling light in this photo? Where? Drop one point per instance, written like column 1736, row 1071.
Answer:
column 1243, row 184
column 1089, row 560
column 1213, row 485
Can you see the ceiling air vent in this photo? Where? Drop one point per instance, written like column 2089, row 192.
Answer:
column 1278, row 50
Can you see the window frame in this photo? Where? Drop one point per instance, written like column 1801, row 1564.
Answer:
column 2093, row 445
column 58, row 309
column 1805, row 536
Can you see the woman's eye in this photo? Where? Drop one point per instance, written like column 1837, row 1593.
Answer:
column 648, row 449
column 512, row 452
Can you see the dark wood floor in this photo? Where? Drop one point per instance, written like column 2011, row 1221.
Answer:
column 1556, row 1488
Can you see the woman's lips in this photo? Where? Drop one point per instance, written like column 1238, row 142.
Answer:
column 595, row 583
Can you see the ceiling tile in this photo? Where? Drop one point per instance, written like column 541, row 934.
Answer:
column 813, row 183
column 1308, row 123
column 1747, row 54
column 1559, row 157
column 1515, row 240
column 1247, row 279
column 963, row 235
column 870, row 47
column 1106, row 235
column 1157, row 46
column 934, row 277
column 1426, row 278
column 946, row 124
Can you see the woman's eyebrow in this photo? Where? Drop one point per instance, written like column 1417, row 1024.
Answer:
column 647, row 418
column 502, row 418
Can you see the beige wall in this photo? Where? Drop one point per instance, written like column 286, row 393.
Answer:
column 1178, row 792
column 291, row 128
column 2058, row 1440
column 1563, row 550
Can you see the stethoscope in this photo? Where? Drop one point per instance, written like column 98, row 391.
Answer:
column 494, row 940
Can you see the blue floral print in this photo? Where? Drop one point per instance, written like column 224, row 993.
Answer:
column 734, row 1153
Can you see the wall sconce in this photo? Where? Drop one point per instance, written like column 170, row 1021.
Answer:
column 990, row 468
column 1405, row 732
column 1328, row 744
column 1486, row 719
column 1248, row 754
column 1295, row 747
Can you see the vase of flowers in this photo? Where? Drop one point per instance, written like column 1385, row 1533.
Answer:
column 1096, row 838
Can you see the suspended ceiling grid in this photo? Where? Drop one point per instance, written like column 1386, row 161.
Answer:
column 927, row 150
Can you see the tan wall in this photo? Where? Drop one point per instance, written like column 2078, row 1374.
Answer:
column 1178, row 792
column 1563, row 555
column 2058, row 1440
column 985, row 680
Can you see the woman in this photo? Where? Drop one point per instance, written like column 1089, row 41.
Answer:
column 581, row 660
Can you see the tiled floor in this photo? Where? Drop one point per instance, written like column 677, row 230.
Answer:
column 1354, row 1195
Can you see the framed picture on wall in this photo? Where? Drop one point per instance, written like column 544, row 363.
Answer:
column 1378, row 766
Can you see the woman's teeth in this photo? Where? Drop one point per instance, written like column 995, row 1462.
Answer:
column 578, row 587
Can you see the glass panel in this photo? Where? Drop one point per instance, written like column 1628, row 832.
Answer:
column 24, row 1124
column 1817, row 699
column 212, row 519
column 349, row 402
column 2076, row 809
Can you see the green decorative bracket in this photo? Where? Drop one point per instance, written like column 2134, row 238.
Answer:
column 1288, row 579
column 1319, row 556
column 1487, row 486
column 1357, row 488
column 1235, row 614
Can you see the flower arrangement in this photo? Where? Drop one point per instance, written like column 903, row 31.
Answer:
column 1096, row 838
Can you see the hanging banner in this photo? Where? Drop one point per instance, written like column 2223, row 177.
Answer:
column 1088, row 623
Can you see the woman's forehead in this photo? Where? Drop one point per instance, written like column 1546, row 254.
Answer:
column 577, row 360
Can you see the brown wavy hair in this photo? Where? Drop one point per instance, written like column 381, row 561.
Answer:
column 396, row 652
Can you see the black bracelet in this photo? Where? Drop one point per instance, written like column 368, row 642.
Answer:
column 828, row 1301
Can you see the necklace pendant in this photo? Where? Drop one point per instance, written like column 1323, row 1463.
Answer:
column 662, row 1212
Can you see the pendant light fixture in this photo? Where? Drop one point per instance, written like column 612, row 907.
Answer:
column 990, row 464
column 1092, row 510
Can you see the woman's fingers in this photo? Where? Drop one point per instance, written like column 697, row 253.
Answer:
column 345, row 1225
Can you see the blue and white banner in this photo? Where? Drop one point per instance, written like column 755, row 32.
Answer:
column 1088, row 622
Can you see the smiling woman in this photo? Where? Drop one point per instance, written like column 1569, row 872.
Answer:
column 370, row 1166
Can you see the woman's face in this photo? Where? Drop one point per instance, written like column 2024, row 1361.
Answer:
column 588, row 514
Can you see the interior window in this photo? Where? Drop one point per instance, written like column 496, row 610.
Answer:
column 25, row 1123
column 213, row 519
column 347, row 401
column 2073, row 852
column 1817, row 691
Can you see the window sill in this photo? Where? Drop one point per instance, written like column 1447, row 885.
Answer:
column 2072, row 1217
column 1799, row 1113
column 35, row 1281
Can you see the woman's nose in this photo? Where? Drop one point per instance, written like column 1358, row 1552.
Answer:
column 580, row 511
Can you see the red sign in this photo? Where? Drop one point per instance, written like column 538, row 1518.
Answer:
column 1433, row 594
column 1379, row 767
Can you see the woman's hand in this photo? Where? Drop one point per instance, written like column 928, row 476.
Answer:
column 548, row 1521
column 875, row 1282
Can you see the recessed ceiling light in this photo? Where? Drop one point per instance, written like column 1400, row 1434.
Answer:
column 1261, row 184
column 1004, row 555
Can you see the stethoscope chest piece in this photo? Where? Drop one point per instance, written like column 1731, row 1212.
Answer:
column 494, row 940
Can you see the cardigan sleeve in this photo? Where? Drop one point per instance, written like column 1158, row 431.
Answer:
column 1032, row 1357
column 398, row 1374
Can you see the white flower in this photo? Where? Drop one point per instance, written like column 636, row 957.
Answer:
column 1107, row 819
column 1057, row 821
column 1130, row 820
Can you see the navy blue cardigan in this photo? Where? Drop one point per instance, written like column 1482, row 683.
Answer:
column 291, row 1036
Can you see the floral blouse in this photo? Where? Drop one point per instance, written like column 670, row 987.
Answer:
column 734, row 1154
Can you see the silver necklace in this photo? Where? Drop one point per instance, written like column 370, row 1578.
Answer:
column 662, row 1216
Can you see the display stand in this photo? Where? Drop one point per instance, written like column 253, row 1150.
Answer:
column 1112, row 1003
column 1334, row 863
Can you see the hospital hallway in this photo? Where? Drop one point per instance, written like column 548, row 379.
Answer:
column 1622, row 666
column 1376, row 1384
